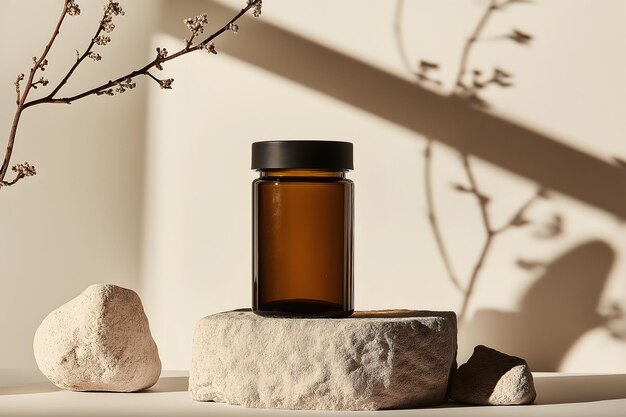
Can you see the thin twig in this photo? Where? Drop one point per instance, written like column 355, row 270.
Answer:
column 190, row 41
column 149, row 74
column 78, row 62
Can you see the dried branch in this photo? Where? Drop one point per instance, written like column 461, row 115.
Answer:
column 112, row 87
column 157, row 62
column 67, row 5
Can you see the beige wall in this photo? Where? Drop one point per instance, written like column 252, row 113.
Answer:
column 329, row 69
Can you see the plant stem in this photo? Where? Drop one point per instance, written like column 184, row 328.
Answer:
column 79, row 60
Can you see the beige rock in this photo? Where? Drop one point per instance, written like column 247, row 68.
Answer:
column 372, row 360
column 493, row 378
column 99, row 341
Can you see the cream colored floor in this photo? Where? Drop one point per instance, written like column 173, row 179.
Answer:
column 27, row 393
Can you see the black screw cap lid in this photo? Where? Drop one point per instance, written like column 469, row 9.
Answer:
column 302, row 154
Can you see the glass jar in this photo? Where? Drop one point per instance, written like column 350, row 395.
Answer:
column 302, row 229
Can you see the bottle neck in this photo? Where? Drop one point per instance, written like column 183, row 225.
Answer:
column 306, row 173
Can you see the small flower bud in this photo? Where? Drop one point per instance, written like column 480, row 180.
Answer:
column 72, row 8
column 166, row 84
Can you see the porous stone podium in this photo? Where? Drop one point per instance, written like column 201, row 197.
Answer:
column 372, row 360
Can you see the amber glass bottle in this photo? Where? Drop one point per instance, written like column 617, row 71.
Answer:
column 302, row 229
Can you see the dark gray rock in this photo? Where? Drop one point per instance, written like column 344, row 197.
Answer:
column 490, row 377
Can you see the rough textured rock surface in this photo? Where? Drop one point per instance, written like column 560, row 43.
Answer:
column 372, row 360
column 99, row 341
column 493, row 378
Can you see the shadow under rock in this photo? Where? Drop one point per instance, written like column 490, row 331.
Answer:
column 165, row 384
column 562, row 389
column 30, row 388
column 24, row 381
column 554, row 313
column 378, row 314
column 375, row 314
column 568, row 389
column 170, row 384
column 450, row 120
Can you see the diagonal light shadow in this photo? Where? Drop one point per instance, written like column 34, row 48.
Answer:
column 450, row 120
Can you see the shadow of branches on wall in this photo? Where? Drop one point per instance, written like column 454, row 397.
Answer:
column 554, row 313
column 562, row 305
column 470, row 85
